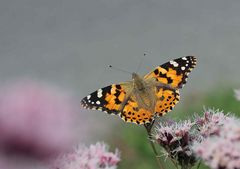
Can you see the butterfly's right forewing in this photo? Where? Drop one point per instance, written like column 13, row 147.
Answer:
column 174, row 72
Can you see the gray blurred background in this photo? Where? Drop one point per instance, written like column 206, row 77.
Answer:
column 71, row 42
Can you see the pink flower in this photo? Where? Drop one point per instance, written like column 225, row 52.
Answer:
column 167, row 133
column 176, row 139
column 214, row 137
column 35, row 119
column 94, row 157
column 210, row 123
column 223, row 150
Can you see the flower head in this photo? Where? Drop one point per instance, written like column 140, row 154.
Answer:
column 94, row 157
column 176, row 139
column 210, row 123
column 223, row 150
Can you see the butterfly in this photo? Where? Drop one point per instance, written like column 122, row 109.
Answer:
column 144, row 97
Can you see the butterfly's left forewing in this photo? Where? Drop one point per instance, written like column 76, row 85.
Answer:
column 108, row 99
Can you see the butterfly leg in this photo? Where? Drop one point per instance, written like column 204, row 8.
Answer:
column 149, row 126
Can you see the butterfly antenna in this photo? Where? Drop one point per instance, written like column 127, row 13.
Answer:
column 141, row 62
column 119, row 69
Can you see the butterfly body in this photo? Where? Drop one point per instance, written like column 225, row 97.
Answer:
column 144, row 92
column 143, row 98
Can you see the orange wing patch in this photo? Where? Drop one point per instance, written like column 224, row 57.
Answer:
column 166, row 100
column 133, row 113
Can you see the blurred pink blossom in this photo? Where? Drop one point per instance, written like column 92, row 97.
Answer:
column 237, row 94
column 94, row 157
column 20, row 162
column 223, row 150
column 35, row 119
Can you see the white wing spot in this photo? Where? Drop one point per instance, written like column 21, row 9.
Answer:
column 99, row 93
column 175, row 64
column 92, row 102
column 183, row 68
column 88, row 97
column 98, row 102
column 184, row 58
column 89, row 101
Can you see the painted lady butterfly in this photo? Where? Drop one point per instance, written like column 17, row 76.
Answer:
column 143, row 98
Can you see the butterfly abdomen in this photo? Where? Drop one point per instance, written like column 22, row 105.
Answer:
column 143, row 92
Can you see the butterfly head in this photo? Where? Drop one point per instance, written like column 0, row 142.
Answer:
column 138, row 81
column 135, row 77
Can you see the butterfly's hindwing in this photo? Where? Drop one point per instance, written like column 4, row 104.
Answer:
column 107, row 99
column 174, row 72
column 132, row 112
column 166, row 100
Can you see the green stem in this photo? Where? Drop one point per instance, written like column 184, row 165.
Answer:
column 172, row 160
column 199, row 164
column 149, row 128
column 174, row 163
